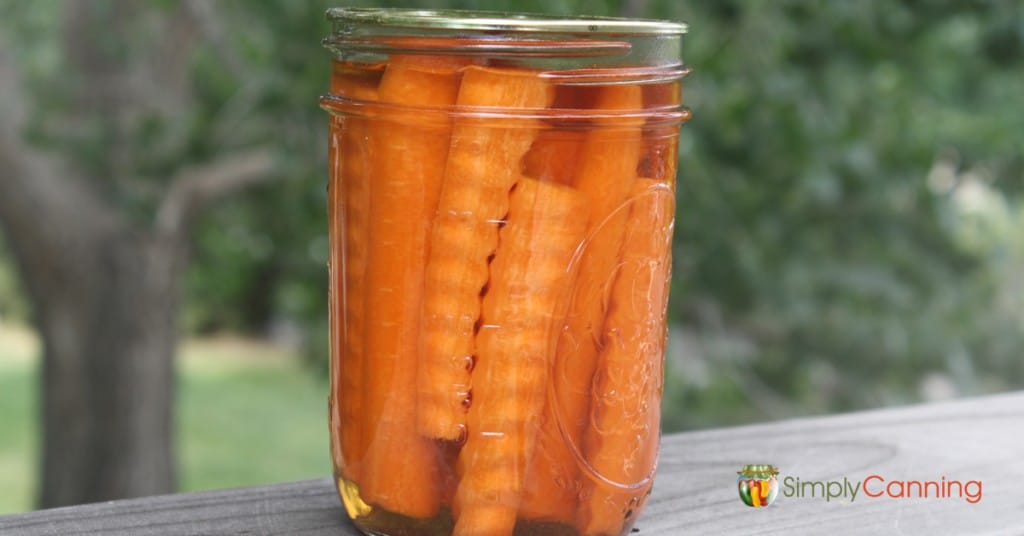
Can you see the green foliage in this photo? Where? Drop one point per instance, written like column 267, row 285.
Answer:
column 808, row 227
column 262, row 257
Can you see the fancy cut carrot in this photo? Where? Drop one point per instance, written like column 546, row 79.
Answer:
column 482, row 166
column 407, row 154
column 520, row 319
column 347, row 213
column 606, row 172
column 622, row 440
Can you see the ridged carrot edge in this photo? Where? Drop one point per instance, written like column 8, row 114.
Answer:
column 520, row 311
column 482, row 166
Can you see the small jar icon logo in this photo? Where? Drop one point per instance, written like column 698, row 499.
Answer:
column 758, row 485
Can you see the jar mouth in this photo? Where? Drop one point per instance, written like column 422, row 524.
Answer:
column 497, row 21
column 579, row 50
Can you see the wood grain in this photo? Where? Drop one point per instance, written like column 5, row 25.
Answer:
column 695, row 493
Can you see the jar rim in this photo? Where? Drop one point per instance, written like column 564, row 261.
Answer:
column 459, row 19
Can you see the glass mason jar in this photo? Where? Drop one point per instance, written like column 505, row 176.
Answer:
column 501, row 204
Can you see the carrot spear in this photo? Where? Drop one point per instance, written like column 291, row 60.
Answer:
column 520, row 310
column 408, row 149
column 622, row 440
column 605, row 172
column 482, row 166
column 347, row 214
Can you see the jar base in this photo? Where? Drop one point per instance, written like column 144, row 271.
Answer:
column 374, row 521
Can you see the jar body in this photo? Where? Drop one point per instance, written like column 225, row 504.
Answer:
column 500, row 237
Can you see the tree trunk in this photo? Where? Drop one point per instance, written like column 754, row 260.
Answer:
column 105, row 291
column 105, row 299
column 108, row 371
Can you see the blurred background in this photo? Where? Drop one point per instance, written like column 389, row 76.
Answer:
column 848, row 232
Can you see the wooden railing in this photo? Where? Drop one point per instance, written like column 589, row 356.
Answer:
column 980, row 439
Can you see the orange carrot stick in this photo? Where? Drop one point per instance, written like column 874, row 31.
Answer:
column 356, row 194
column 349, row 195
column 605, row 173
column 408, row 149
column 520, row 310
column 482, row 166
column 622, row 441
column 553, row 481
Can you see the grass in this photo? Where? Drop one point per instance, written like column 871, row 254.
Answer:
column 248, row 413
column 18, row 438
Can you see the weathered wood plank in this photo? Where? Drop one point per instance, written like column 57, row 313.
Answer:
column 309, row 507
column 979, row 439
column 976, row 439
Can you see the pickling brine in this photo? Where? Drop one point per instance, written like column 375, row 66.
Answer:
column 501, row 203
